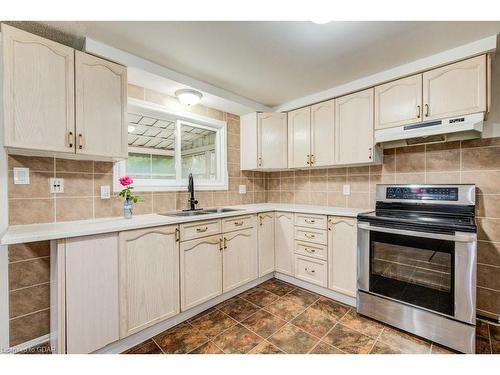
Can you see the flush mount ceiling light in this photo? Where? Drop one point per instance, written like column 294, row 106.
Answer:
column 188, row 96
column 320, row 22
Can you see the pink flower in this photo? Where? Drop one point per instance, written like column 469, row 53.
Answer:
column 126, row 181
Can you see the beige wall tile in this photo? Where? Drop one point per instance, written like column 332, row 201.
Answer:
column 181, row 201
column 233, row 140
column 28, row 300
column 319, row 198
column 287, row 197
column 273, row 184
column 220, row 198
column 233, row 169
column 29, row 272
column 481, row 142
column 488, row 229
column 38, row 164
column 287, row 184
column 102, row 180
column 205, row 198
column 358, row 170
column 136, row 92
column 37, row 188
column 29, row 327
column 442, row 178
column 442, row 160
column 410, row 178
column 112, row 207
column 410, row 159
column 480, row 158
column 358, row 200
column 234, row 198
column 486, row 182
column 302, row 197
column 318, row 184
column 247, row 198
column 388, row 166
column 302, row 183
column 163, row 202
column 273, row 197
column 233, row 126
column 216, row 114
column 319, row 172
column 29, row 250
column 145, row 205
column 77, row 185
column 31, row 211
column 66, row 165
column 103, row 167
column 259, row 197
column 359, row 183
column 233, row 155
column 488, row 206
column 487, row 276
column 381, row 179
column 339, row 171
column 337, row 199
column 488, row 301
column 69, row 209
column 287, row 173
column 488, row 253
column 335, row 183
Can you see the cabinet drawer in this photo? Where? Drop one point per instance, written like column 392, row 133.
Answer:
column 311, row 250
column 239, row 222
column 311, row 235
column 311, row 270
column 199, row 229
column 311, row 221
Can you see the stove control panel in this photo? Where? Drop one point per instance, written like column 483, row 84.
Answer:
column 422, row 193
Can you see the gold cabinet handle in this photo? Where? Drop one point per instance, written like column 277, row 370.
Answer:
column 225, row 243
column 201, row 230
column 260, row 161
column 238, row 223
column 310, row 221
column 220, row 244
column 308, row 159
column 313, row 159
column 177, row 235
column 260, row 220
column 310, row 271
column 310, row 235
column 426, row 110
column 370, row 155
column 71, row 139
column 81, row 141
column 312, row 251
column 418, row 111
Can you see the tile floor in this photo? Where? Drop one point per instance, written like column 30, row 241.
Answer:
column 276, row 317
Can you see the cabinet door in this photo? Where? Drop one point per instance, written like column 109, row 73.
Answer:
column 342, row 255
column 101, row 102
column 201, row 270
column 92, row 312
column 149, row 277
column 354, row 128
column 283, row 242
column 38, row 77
column 272, row 145
column 323, row 134
column 248, row 141
column 239, row 258
column 265, row 233
column 299, row 137
column 398, row 102
column 455, row 89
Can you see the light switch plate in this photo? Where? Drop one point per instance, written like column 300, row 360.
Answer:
column 243, row 189
column 346, row 189
column 21, row 176
column 56, row 185
column 105, row 192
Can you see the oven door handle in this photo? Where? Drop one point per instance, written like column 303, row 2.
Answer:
column 458, row 237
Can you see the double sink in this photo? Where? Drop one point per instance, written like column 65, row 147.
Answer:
column 200, row 212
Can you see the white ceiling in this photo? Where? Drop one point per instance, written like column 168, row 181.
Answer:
column 275, row 62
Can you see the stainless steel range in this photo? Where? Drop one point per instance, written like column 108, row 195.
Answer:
column 417, row 262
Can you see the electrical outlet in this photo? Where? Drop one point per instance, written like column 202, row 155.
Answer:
column 105, row 192
column 56, row 185
column 21, row 176
column 346, row 189
column 243, row 189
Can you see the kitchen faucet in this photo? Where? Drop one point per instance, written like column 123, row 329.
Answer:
column 192, row 201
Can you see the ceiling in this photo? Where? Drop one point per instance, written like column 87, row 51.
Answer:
column 275, row 62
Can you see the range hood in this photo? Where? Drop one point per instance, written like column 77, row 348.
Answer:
column 449, row 129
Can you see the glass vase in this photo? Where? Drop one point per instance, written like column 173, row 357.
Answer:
column 127, row 209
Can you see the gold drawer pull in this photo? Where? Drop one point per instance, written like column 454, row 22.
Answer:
column 71, row 139
column 310, row 271
column 81, row 141
column 238, row 223
column 309, row 250
column 201, row 230
column 418, row 111
column 309, row 235
column 426, row 110
column 310, row 221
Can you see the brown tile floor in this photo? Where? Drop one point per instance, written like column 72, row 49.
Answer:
column 276, row 317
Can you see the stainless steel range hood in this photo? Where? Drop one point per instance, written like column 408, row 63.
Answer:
column 449, row 129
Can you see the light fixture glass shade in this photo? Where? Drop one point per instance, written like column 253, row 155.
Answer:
column 188, row 96
column 320, row 21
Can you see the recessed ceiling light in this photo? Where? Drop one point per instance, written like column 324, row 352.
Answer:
column 131, row 128
column 188, row 96
column 321, row 22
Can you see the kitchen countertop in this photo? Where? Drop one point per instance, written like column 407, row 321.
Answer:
column 51, row 231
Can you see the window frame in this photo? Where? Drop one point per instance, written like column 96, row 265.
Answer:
column 180, row 117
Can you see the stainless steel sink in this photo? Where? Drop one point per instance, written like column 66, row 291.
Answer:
column 200, row 212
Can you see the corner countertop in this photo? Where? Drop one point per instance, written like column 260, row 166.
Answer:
column 50, row 231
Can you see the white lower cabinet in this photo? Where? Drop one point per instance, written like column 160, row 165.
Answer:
column 342, row 240
column 265, row 234
column 283, row 242
column 149, row 277
column 91, row 284
column 312, row 270
column 201, row 270
column 239, row 258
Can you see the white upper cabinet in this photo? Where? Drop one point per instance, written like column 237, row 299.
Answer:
column 455, row 89
column 323, row 134
column 263, row 141
column 354, row 128
column 149, row 277
column 299, row 138
column 38, row 77
column 399, row 102
column 101, row 101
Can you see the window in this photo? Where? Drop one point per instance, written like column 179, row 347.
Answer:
column 166, row 146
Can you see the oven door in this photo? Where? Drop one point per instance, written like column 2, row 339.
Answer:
column 431, row 271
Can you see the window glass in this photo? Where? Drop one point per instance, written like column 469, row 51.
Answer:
column 198, row 152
